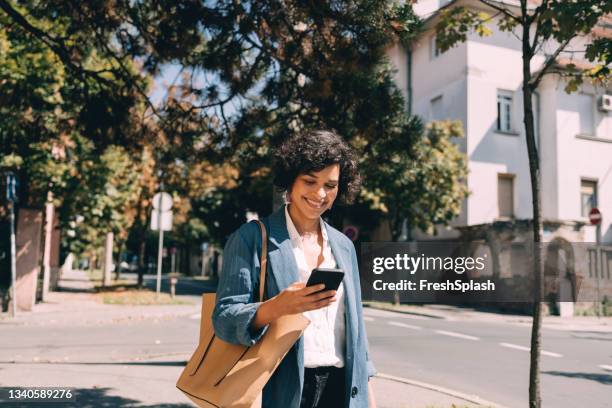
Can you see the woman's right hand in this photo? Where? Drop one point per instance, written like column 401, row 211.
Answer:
column 297, row 298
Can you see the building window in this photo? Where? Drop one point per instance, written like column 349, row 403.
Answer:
column 437, row 112
column 504, row 111
column 435, row 51
column 586, row 106
column 588, row 196
column 505, row 195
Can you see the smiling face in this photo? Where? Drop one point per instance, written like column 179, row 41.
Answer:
column 313, row 193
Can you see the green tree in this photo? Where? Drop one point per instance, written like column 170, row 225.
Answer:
column 250, row 74
column 281, row 67
column 553, row 30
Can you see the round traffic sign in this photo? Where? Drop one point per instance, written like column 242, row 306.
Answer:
column 352, row 232
column 595, row 216
column 162, row 201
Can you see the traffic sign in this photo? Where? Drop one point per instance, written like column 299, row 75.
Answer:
column 166, row 220
column 352, row 232
column 162, row 200
column 595, row 216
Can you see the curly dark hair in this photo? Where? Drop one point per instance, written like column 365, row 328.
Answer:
column 313, row 151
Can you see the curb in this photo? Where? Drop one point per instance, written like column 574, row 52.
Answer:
column 453, row 393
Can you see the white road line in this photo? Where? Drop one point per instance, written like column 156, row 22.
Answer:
column 606, row 367
column 551, row 354
column 195, row 316
column 523, row 348
column 458, row 335
column 407, row 326
column 368, row 319
column 514, row 346
column 368, row 311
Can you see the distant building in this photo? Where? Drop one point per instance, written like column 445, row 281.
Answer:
column 479, row 82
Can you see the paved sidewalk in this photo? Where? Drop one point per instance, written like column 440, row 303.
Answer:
column 145, row 382
column 77, row 304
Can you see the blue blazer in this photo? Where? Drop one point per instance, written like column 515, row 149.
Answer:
column 237, row 304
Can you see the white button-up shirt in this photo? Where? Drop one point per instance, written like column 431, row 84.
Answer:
column 324, row 338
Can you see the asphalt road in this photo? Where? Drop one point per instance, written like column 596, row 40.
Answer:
column 129, row 361
column 491, row 359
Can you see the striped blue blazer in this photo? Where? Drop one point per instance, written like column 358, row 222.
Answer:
column 237, row 304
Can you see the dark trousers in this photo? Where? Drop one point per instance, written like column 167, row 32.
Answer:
column 323, row 388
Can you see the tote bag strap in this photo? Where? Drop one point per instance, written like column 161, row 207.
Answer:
column 264, row 259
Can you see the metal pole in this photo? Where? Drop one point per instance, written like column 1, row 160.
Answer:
column 160, row 245
column 203, row 269
column 172, row 261
column 598, row 268
column 47, row 248
column 13, row 262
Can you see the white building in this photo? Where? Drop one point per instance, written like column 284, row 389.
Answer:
column 479, row 83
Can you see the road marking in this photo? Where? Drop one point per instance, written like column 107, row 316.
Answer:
column 551, row 354
column 195, row 316
column 523, row 348
column 413, row 317
column 407, row 326
column 368, row 319
column 606, row 367
column 514, row 346
column 370, row 311
column 458, row 335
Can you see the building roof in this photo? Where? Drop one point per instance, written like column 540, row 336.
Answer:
column 428, row 10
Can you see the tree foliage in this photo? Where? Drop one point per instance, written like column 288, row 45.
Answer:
column 563, row 31
column 249, row 75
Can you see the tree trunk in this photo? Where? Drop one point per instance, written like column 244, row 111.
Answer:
column 536, row 180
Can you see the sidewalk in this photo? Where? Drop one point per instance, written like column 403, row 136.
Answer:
column 101, row 380
column 75, row 303
column 456, row 313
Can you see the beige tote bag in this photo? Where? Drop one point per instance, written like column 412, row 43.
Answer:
column 220, row 374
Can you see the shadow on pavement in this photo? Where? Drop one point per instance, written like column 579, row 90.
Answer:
column 605, row 379
column 75, row 290
column 93, row 397
column 592, row 338
column 184, row 286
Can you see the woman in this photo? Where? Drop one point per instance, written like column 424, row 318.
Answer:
column 329, row 365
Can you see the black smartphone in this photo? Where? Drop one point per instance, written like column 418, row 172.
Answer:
column 330, row 277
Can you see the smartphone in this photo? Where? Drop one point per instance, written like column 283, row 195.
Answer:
column 330, row 277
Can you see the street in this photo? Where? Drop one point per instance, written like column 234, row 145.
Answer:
column 123, row 362
column 491, row 359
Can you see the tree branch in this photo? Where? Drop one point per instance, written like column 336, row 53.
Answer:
column 57, row 46
column 501, row 9
column 538, row 12
column 551, row 60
